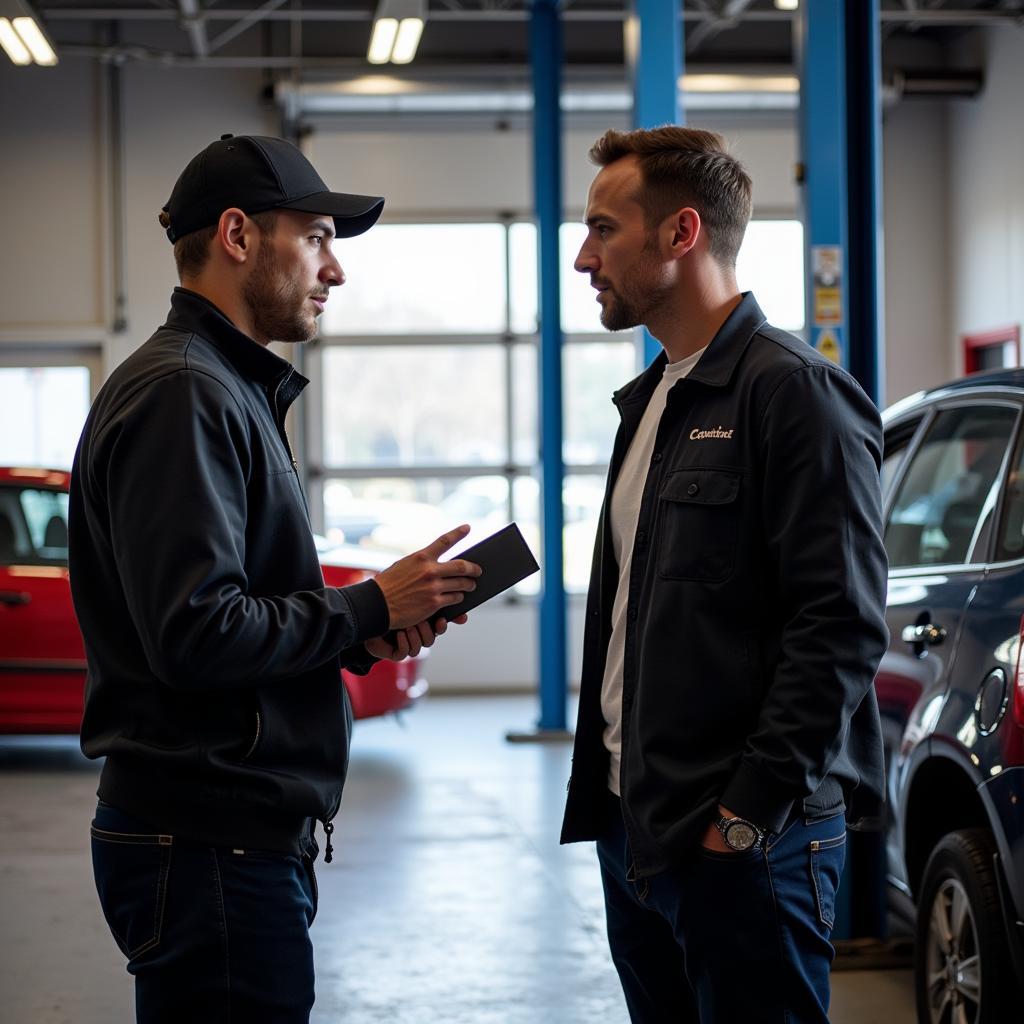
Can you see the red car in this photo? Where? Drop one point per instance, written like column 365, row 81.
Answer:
column 42, row 657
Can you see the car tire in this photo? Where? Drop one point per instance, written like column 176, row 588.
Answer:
column 961, row 963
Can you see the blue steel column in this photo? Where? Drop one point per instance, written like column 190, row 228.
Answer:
column 864, row 223
column 839, row 45
column 821, row 42
column 654, row 56
column 546, row 59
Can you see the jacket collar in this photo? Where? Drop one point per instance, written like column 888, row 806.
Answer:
column 192, row 312
column 714, row 368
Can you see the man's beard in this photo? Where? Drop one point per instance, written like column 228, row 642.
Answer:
column 638, row 295
column 619, row 314
column 277, row 304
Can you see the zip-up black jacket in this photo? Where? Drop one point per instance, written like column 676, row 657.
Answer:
column 213, row 645
column 755, row 618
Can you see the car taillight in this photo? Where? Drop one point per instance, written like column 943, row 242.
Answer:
column 1018, row 681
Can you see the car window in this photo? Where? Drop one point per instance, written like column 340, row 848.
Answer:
column 33, row 526
column 897, row 441
column 936, row 514
column 1010, row 542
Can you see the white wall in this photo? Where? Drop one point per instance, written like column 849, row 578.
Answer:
column 487, row 171
column 986, row 209
column 917, row 234
column 52, row 201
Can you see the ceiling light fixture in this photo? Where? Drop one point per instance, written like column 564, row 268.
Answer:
column 397, row 27
column 787, row 5
column 21, row 36
column 403, row 93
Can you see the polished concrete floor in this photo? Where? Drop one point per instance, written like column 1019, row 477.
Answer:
column 449, row 900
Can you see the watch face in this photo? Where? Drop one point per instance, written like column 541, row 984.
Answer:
column 740, row 835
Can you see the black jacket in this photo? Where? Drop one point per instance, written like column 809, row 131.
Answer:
column 213, row 645
column 755, row 619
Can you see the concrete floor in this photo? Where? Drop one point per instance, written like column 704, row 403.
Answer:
column 449, row 899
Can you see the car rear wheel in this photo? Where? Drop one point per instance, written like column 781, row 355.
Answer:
column 961, row 962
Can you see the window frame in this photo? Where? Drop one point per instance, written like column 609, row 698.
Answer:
column 982, row 541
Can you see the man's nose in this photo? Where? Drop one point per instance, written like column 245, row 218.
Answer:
column 585, row 262
column 332, row 273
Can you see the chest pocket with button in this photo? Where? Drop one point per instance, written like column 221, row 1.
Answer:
column 698, row 523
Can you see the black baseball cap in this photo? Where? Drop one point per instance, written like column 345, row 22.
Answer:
column 257, row 173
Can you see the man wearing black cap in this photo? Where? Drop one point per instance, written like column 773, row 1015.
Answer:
column 213, row 645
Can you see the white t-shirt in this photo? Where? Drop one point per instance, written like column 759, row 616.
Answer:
column 624, row 513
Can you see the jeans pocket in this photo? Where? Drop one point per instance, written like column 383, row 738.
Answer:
column 131, row 871
column 827, row 857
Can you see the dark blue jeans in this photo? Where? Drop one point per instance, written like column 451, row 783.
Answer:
column 727, row 937
column 211, row 935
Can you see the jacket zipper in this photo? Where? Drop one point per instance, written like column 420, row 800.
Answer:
column 256, row 738
column 280, row 422
column 328, row 825
column 288, row 445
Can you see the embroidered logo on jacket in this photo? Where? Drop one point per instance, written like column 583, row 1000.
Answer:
column 706, row 435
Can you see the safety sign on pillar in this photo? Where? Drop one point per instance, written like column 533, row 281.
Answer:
column 827, row 300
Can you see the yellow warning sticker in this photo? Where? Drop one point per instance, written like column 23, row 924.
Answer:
column 828, row 345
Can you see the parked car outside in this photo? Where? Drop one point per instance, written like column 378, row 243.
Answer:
column 951, row 690
column 42, row 656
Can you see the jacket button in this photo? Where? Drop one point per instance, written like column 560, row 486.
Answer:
column 692, row 489
column 641, row 537
column 656, row 457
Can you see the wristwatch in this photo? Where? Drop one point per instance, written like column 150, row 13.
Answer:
column 739, row 834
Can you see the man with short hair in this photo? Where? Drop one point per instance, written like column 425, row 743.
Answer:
column 727, row 720
column 214, row 648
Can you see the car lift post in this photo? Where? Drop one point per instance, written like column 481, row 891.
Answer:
column 840, row 123
column 546, row 62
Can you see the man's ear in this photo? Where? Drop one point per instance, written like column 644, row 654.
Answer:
column 237, row 236
column 684, row 228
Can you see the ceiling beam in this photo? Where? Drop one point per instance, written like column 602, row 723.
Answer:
column 193, row 23
column 929, row 17
column 240, row 26
column 727, row 15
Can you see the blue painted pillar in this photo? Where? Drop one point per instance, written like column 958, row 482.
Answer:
column 822, row 50
column 840, row 127
column 546, row 60
column 654, row 56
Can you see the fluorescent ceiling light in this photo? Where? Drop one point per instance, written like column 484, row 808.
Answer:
column 382, row 40
column 740, row 83
column 787, row 5
column 12, row 44
column 397, row 27
column 36, row 42
column 391, row 94
column 409, row 32
column 22, row 36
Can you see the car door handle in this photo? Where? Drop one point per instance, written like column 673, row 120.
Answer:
column 927, row 633
column 13, row 598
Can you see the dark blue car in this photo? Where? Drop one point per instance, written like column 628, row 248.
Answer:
column 952, row 692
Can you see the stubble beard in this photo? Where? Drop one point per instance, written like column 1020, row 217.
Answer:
column 638, row 296
column 275, row 302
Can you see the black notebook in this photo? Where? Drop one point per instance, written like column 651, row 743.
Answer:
column 505, row 560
